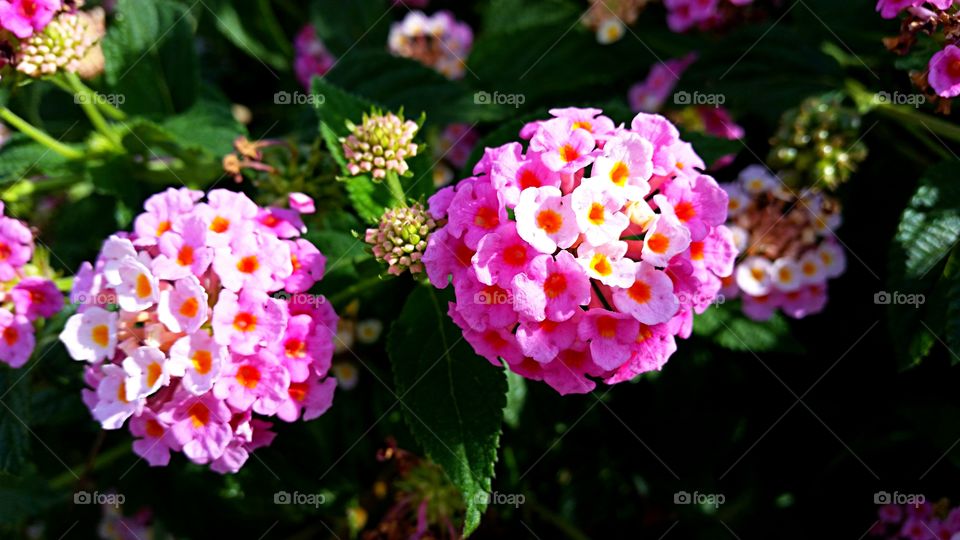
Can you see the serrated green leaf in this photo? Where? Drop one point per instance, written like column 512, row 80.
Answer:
column 22, row 157
column 728, row 327
column 231, row 26
column 453, row 400
column 208, row 125
column 516, row 397
column 369, row 199
column 929, row 228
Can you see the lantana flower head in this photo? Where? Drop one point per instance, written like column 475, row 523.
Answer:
column 788, row 247
column 401, row 238
column 583, row 254
column 381, row 143
column 25, row 17
column 62, row 45
column 438, row 41
column 27, row 299
column 189, row 331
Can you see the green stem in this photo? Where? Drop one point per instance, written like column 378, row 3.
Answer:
column 76, row 85
column 393, row 184
column 909, row 115
column 29, row 130
column 87, row 100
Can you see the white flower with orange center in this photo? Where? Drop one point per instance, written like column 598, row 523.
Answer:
column 113, row 405
column 757, row 179
column 91, row 335
column 786, row 274
column 146, row 371
column 598, row 212
column 811, row 268
column 753, row 276
column 833, row 258
column 183, row 307
column 138, row 288
column 545, row 219
column 665, row 238
column 625, row 166
column 606, row 263
column 197, row 358
column 650, row 299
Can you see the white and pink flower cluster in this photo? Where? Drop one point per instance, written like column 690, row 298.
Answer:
column 183, row 337
column 787, row 245
column 25, row 298
column 583, row 254
column 438, row 41
column 682, row 15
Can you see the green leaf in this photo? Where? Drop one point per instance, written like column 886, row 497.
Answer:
column 21, row 157
column 14, row 412
column 728, row 327
column 502, row 16
column 453, row 400
column 150, row 57
column 208, row 125
column 929, row 229
column 231, row 26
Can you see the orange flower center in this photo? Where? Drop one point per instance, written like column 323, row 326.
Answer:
column 248, row 376
column 245, row 322
column 153, row 373
column 515, row 255
column 640, row 292
column 295, row 348
column 185, row 256
column 550, row 221
column 685, row 211
column 601, row 264
column 658, row 243
column 100, row 335
column 596, row 214
column 144, row 289
column 486, row 218
column 568, row 153
column 249, row 264
column 219, row 224
column 189, row 308
column 199, row 414
column 696, row 251
column 554, row 285
column 10, row 335
column 528, row 179
column 607, row 327
column 154, row 429
column 619, row 173
column 202, row 362
column 298, row 391
column 163, row 227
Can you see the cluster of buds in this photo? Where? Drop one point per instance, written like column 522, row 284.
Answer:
column 940, row 81
column 401, row 238
column 818, row 143
column 438, row 41
column 381, row 143
column 786, row 243
column 68, row 42
column 610, row 18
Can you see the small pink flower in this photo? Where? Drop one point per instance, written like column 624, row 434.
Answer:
column 184, row 254
column 281, row 222
column 313, row 397
column 248, row 321
column 91, row 335
column 590, row 120
column 24, row 17
column 607, row 263
column 146, row 370
column 227, row 215
column 492, row 343
column 625, row 166
column 197, row 359
column 255, row 260
column 113, row 405
column 599, row 212
column 183, row 308
column 552, row 288
column 138, row 288
column 308, row 266
column 163, row 211
column 944, row 73
column 35, row 297
column 155, row 440
column 258, row 382
column 564, row 148
column 544, row 340
column 475, row 211
column 301, row 350
column 447, row 256
column 201, row 424
column 16, row 339
column 16, row 247
column 698, row 202
column 502, row 255
column 650, row 299
column 666, row 237
column 486, row 306
column 610, row 335
column 651, row 349
column 545, row 219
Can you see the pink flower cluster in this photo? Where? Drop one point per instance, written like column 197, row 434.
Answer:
column 438, row 41
column 584, row 253
column 682, row 15
column 918, row 521
column 891, row 8
column 787, row 245
column 943, row 72
column 23, row 18
column 183, row 338
column 25, row 298
column 311, row 57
